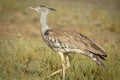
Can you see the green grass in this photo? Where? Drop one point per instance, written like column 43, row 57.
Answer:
column 32, row 59
column 24, row 55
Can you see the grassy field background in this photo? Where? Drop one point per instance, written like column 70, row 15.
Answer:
column 24, row 55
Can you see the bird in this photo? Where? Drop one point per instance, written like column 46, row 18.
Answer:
column 65, row 41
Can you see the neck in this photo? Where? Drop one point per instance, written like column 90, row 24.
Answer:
column 43, row 23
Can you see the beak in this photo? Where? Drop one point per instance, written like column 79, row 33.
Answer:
column 32, row 8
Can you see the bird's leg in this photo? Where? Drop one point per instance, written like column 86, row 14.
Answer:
column 67, row 60
column 63, row 65
column 64, row 61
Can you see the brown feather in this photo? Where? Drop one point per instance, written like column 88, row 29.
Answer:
column 74, row 39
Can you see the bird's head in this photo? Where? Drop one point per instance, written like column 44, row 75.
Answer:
column 42, row 9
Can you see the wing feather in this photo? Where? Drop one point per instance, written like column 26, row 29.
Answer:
column 74, row 39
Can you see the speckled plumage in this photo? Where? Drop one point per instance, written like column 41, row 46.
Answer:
column 70, row 41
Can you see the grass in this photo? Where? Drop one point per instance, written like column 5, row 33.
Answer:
column 24, row 55
column 29, row 59
column 24, row 60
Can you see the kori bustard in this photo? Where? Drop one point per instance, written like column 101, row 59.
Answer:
column 67, row 41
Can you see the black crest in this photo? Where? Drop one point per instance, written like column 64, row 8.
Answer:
column 47, row 7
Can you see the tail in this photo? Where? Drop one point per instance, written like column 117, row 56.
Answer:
column 97, row 58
